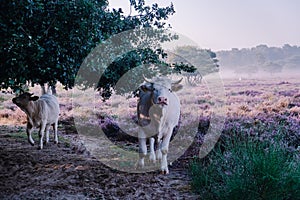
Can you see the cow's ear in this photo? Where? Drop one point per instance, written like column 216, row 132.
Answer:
column 176, row 87
column 34, row 98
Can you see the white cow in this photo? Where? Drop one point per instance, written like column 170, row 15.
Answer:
column 158, row 112
column 41, row 113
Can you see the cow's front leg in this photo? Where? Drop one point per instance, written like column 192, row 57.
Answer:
column 152, row 156
column 142, row 149
column 41, row 134
column 164, row 151
column 29, row 129
column 158, row 150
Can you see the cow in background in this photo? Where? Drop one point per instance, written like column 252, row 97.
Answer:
column 158, row 113
column 42, row 112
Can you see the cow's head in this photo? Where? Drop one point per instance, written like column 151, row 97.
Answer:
column 161, row 89
column 23, row 99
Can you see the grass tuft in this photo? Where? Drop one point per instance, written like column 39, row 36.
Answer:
column 244, row 168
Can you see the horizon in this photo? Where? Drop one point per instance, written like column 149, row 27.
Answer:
column 298, row 46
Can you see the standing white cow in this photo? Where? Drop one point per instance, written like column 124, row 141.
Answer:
column 158, row 113
column 42, row 112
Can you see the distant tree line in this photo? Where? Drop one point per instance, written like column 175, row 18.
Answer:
column 260, row 59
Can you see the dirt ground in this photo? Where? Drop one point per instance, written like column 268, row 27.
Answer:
column 66, row 171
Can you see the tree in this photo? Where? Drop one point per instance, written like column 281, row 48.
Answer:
column 46, row 41
column 203, row 59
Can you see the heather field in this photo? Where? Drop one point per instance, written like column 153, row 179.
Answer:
column 256, row 156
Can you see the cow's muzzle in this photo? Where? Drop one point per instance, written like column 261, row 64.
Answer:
column 162, row 101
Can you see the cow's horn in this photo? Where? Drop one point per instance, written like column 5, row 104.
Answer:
column 177, row 82
column 147, row 80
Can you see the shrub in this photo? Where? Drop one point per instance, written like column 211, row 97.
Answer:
column 246, row 168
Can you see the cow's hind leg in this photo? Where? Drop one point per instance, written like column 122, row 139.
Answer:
column 55, row 125
column 47, row 134
column 29, row 129
column 41, row 134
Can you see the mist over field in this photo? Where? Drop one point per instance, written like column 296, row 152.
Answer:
column 260, row 62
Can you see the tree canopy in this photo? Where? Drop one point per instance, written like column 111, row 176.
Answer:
column 45, row 41
column 204, row 60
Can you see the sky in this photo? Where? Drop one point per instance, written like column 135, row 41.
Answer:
column 225, row 24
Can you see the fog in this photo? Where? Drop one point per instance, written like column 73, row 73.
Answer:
column 284, row 75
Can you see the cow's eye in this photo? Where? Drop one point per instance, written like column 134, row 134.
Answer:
column 170, row 90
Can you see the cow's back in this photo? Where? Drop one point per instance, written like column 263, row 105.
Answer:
column 50, row 107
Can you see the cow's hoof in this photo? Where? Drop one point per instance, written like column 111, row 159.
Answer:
column 31, row 143
column 55, row 142
column 152, row 158
column 164, row 172
column 139, row 165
